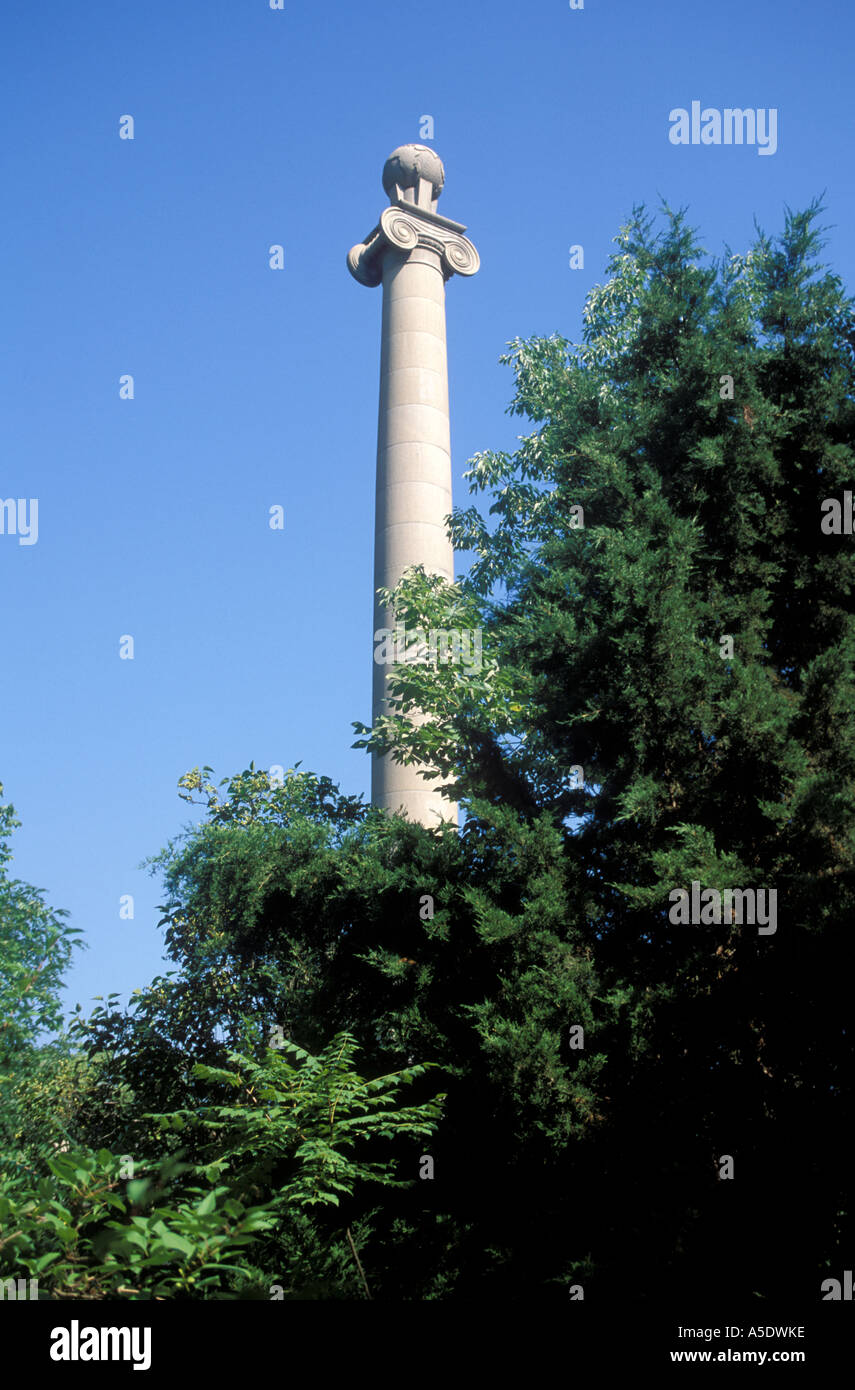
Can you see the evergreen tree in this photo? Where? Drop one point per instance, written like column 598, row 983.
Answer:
column 690, row 648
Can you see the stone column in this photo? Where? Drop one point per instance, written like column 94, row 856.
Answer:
column 411, row 252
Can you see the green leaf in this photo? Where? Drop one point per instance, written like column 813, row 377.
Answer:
column 172, row 1241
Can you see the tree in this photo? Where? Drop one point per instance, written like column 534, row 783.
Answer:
column 36, row 944
column 35, row 951
column 691, row 648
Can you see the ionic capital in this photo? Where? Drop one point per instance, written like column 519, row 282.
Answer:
column 403, row 227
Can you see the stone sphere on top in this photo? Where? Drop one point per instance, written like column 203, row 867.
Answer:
column 409, row 163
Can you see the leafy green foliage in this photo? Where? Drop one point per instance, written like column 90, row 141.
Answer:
column 35, row 950
column 293, row 1136
column 81, row 1233
column 305, row 1119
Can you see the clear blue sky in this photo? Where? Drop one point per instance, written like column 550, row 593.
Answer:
column 256, row 387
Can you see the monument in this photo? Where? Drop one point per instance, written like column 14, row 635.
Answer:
column 412, row 251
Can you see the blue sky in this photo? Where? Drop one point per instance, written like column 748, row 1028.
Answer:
column 255, row 387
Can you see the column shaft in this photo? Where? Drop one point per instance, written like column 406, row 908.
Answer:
column 413, row 480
